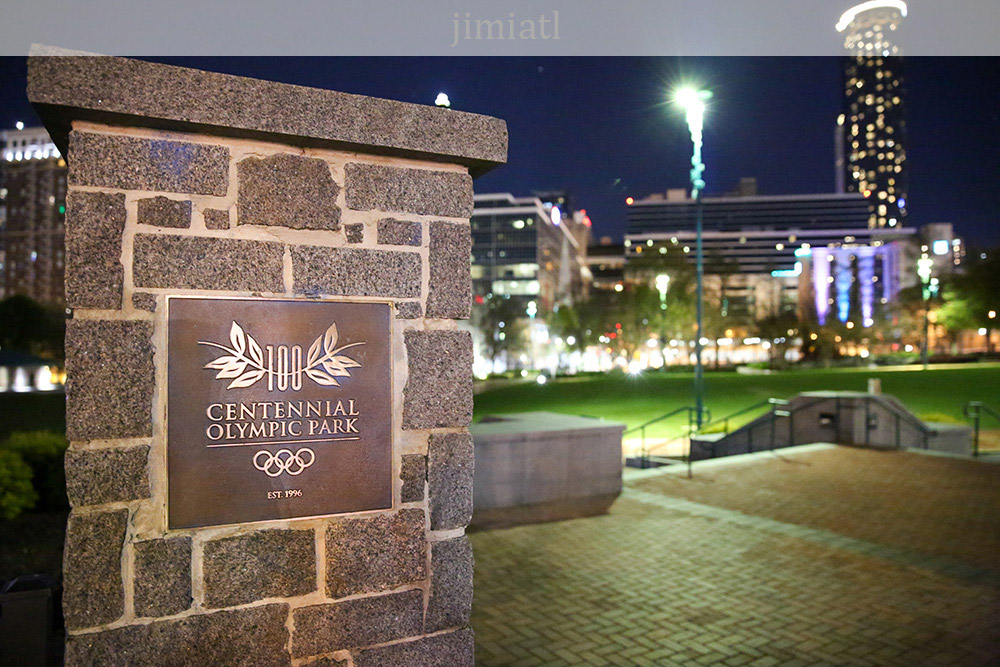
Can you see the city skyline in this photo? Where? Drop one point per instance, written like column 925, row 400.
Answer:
column 602, row 128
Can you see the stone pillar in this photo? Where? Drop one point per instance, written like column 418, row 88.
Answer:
column 189, row 183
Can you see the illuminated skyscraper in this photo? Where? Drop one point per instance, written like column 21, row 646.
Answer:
column 33, row 201
column 873, row 126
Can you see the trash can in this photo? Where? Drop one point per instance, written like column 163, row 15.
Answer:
column 26, row 620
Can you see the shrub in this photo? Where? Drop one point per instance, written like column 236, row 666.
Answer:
column 16, row 492
column 43, row 452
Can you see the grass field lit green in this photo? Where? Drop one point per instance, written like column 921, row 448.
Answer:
column 935, row 394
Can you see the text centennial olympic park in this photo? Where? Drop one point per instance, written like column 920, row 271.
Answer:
column 269, row 419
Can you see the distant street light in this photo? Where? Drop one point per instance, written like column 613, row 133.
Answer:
column 924, row 266
column 442, row 100
column 662, row 283
column 693, row 103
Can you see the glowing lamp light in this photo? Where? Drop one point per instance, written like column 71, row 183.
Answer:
column 19, row 125
column 442, row 101
column 982, row 331
column 992, row 314
column 629, row 201
column 541, row 379
column 556, row 216
column 940, row 247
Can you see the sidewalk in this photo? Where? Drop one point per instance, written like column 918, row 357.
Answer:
column 817, row 556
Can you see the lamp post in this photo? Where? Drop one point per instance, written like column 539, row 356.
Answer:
column 924, row 265
column 693, row 103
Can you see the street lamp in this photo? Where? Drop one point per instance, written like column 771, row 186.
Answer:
column 693, row 103
column 924, row 266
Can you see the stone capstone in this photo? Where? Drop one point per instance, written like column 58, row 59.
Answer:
column 166, row 97
column 251, row 637
column 187, row 262
column 357, row 622
column 375, row 553
column 450, row 464
column 162, row 576
column 454, row 649
column 92, row 568
column 413, row 473
column 164, row 212
column 287, row 191
column 438, row 392
column 356, row 272
column 96, row 476
column 450, row 602
column 95, row 222
column 266, row 563
column 372, row 187
column 449, row 293
column 159, row 165
column 399, row 232
column 109, row 363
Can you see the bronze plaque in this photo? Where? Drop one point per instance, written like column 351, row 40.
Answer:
column 276, row 409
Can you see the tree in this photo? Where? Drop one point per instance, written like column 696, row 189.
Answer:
column 502, row 326
column 31, row 327
column 774, row 329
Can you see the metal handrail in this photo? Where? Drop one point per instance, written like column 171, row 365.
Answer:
column 738, row 413
column 692, row 413
column 973, row 411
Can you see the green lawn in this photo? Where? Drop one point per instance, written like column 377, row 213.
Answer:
column 633, row 400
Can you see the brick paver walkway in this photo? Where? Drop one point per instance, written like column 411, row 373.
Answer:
column 830, row 556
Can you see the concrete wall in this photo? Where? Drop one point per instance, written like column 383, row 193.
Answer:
column 191, row 183
column 540, row 466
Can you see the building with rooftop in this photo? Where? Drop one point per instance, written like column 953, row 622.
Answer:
column 32, row 213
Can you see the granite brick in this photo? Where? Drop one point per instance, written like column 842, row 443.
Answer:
column 409, row 310
column 162, row 576
column 144, row 301
column 399, row 232
column 357, row 622
column 95, row 222
column 326, row 662
column 413, row 472
column 251, row 637
column 438, row 392
column 97, row 476
column 450, row 464
column 401, row 190
column 266, row 563
column 109, row 364
column 216, row 218
column 375, row 553
column 287, row 191
column 164, row 212
column 185, row 262
column 160, row 165
column 450, row 602
column 356, row 272
column 355, row 232
column 454, row 649
column 450, row 288
column 92, row 568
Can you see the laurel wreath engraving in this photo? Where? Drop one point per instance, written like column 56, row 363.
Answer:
column 244, row 362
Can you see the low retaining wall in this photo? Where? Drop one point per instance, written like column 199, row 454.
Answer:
column 540, row 466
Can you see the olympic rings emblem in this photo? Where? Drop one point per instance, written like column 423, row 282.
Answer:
column 283, row 461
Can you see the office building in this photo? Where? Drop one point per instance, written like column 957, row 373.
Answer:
column 767, row 254
column 32, row 211
column 529, row 249
column 871, row 131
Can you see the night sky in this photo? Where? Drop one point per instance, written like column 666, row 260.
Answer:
column 599, row 127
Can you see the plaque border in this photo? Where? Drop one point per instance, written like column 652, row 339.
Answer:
column 394, row 505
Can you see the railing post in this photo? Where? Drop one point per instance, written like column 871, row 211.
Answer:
column 975, row 438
